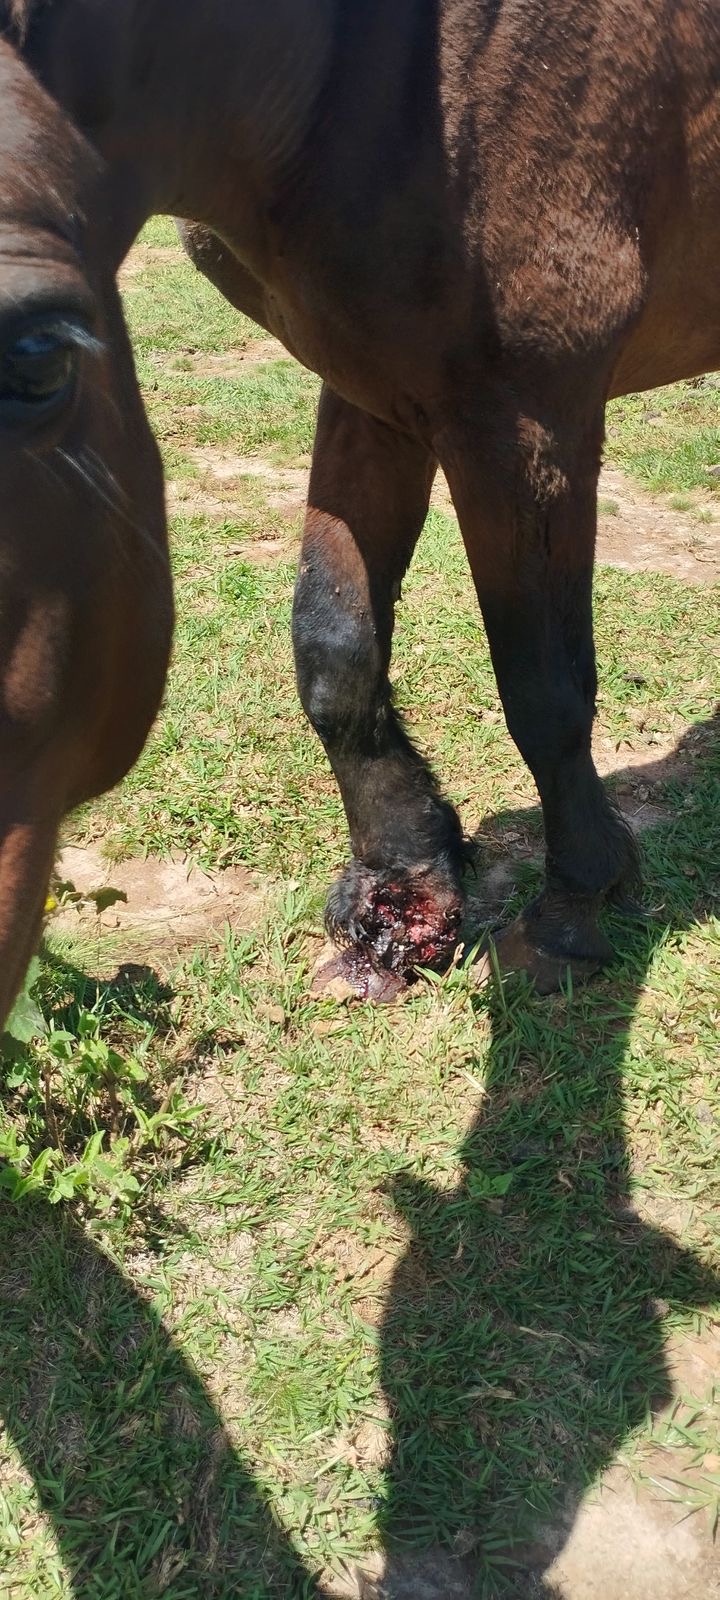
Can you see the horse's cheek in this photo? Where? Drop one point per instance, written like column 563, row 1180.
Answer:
column 128, row 659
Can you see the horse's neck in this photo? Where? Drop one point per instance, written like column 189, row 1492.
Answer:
column 185, row 97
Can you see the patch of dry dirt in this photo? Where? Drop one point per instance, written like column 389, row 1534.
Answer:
column 260, row 552
column 693, row 1363
column 622, row 1545
column 148, row 255
column 167, row 905
column 640, row 771
column 626, row 1546
column 228, row 363
column 228, row 467
column 435, row 1575
column 216, row 494
column 644, row 534
column 217, row 489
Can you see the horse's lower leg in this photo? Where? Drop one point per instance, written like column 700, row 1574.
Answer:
column 529, row 529
column 398, row 903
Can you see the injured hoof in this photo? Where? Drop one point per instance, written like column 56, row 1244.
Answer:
column 385, row 928
column 390, row 926
column 518, row 949
column 350, row 975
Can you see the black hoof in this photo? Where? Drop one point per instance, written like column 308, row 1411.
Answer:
column 518, row 950
column 555, row 936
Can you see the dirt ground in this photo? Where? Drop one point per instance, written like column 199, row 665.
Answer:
column 643, row 534
column 148, row 910
column 622, row 1543
column 637, row 532
column 620, row 1547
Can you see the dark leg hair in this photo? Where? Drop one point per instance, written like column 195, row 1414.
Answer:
column 525, row 491
column 399, row 901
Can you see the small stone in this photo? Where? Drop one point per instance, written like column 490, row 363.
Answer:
column 464, row 1542
column 273, row 1014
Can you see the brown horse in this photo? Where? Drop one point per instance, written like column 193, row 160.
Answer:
column 476, row 219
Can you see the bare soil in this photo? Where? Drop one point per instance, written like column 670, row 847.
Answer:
column 150, row 910
column 143, row 256
column 221, row 363
column 645, row 534
column 624, row 1545
column 215, row 493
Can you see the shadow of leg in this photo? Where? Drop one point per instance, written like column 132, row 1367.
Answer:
column 131, row 1463
column 524, row 1336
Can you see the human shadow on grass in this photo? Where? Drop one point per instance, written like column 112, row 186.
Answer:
column 523, row 1338
column 132, row 1467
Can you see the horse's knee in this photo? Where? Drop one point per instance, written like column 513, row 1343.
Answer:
column 336, row 694
column 341, row 672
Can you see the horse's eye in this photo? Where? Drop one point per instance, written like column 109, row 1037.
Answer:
column 37, row 370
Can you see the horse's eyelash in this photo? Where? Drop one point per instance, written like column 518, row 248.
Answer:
column 75, row 334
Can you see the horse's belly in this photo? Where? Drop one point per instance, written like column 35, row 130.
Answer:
column 678, row 333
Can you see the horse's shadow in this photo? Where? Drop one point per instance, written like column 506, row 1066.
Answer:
column 127, row 1451
column 523, row 1336
column 539, row 1244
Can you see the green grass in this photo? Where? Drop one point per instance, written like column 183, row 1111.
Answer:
column 407, row 1277
column 188, row 316
column 668, row 438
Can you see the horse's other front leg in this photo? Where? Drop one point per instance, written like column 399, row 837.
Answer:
column 398, row 904
column 525, row 488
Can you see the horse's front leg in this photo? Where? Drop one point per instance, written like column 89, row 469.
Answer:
column 398, row 904
column 525, row 488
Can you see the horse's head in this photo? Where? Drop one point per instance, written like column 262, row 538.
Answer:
column 85, row 602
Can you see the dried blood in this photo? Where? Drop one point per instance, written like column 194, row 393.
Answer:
column 403, row 926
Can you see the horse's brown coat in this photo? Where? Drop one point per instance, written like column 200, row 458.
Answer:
column 476, row 219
